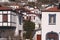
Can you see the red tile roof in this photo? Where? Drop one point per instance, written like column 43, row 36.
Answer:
column 54, row 9
column 5, row 8
column 24, row 9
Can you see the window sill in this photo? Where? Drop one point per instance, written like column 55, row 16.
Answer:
column 52, row 23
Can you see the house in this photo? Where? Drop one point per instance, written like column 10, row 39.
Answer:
column 10, row 23
column 51, row 23
column 37, row 32
column 34, row 16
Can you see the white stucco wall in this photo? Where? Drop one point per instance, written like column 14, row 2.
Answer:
column 48, row 28
column 37, row 22
column 16, row 31
column 13, row 18
column 18, row 26
column 13, row 21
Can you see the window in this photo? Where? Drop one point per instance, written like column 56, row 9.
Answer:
column 52, row 36
column 28, row 17
column 52, row 19
column 20, row 19
column 34, row 17
column 5, row 18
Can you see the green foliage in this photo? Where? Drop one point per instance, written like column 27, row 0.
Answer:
column 28, row 27
column 28, row 34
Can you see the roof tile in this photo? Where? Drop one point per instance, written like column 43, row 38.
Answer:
column 54, row 9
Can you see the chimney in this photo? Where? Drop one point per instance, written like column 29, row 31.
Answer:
column 59, row 6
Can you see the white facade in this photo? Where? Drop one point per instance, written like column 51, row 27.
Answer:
column 37, row 22
column 10, row 21
column 18, row 26
column 13, row 20
column 34, row 18
column 46, row 27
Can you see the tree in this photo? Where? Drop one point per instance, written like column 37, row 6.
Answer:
column 29, row 28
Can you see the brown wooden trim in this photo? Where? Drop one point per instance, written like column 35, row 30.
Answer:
column 5, row 17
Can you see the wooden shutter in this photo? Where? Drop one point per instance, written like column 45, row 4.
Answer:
column 38, row 37
column 5, row 18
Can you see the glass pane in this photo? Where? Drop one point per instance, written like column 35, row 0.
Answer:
column 52, row 18
column 20, row 19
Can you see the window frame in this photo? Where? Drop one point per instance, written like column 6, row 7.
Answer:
column 54, row 19
column 20, row 19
